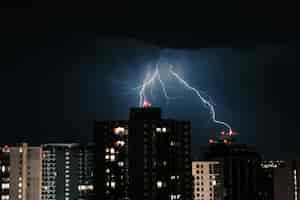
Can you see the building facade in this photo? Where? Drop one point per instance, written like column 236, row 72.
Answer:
column 145, row 157
column 21, row 172
column 265, row 178
column 86, row 172
column 4, row 173
column 208, row 180
column 286, row 180
column 67, row 172
column 239, row 165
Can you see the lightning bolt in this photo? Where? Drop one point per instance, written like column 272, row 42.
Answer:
column 163, row 87
column 150, row 79
column 203, row 100
column 148, row 82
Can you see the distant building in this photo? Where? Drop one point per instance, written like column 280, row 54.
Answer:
column 239, row 164
column 86, row 173
column 67, row 172
column 4, row 173
column 21, row 172
column 286, row 181
column 265, row 178
column 145, row 157
column 208, row 180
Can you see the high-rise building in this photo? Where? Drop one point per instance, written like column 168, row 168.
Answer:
column 86, row 172
column 21, row 172
column 239, row 164
column 208, row 180
column 4, row 173
column 67, row 172
column 146, row 157
column 112, row 178
column 286, row 181
column 265, row 178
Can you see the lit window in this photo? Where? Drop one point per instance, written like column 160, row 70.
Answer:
column 6, row 149
column 175, row 197
column 158, row 130
column 107, row 150
column 106, row 157
column 5, row 186
column 107, row 170
column 85, row 187
column 20, row 196
column 112, row 150
column 20, row 184
column 120, row 143
column 164, row 130
column 121, row 164
column 113, row 184
column 20, row 149
column 81, row 187
column 159, row 184
column 90, row 187
column 112, row 157
column 5, row 197
column 172, row 143
column 119, row 130
column 3, row 168
column 214, row 182
column 172, row 177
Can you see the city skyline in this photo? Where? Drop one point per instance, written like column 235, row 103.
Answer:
column 55, row 84
column 95, row 103
column 158, row 162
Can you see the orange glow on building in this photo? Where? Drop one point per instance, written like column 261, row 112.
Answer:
column 146, row 104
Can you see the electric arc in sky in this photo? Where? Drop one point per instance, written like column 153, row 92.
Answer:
column 209, row 105
column 148, row 83
column 155, row 76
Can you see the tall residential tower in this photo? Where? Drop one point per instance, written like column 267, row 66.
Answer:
column 68, row 170
column 208, row 180
column 21, row 172
column 145, row 157
column 239, row 165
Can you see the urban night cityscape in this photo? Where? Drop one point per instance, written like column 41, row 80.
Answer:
column 88, row 113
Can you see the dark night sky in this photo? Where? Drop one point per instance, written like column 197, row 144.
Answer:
column 58, row 74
